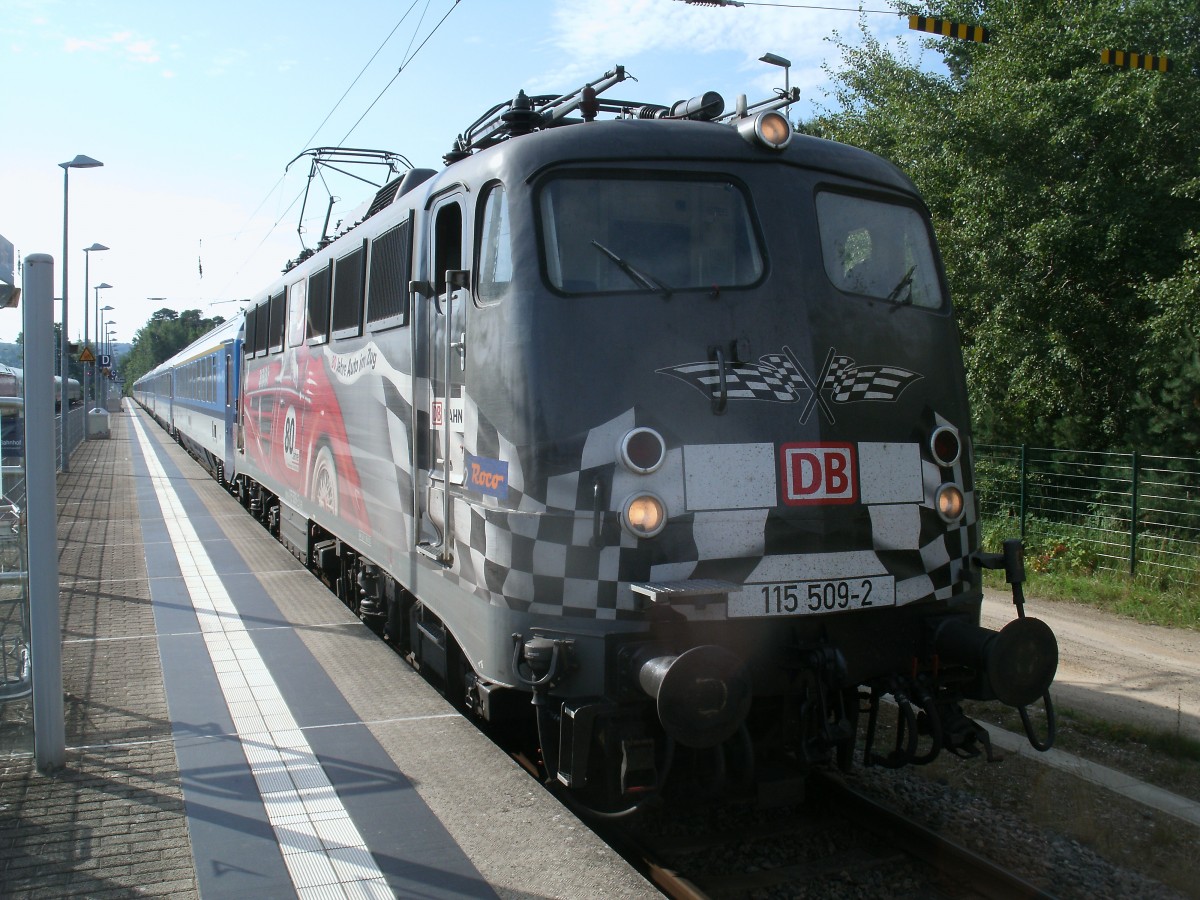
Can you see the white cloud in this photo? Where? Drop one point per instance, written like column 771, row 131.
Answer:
column 137, row 49
column 597, row 33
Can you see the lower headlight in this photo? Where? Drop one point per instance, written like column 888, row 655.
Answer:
column 949, row 502
column 644, row 515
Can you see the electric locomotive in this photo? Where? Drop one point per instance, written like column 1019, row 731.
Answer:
column 646, row 426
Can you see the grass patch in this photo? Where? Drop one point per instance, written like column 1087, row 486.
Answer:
column 1116, row 593
column 1166, row 743
column 1076, row 728
column 1062, row 563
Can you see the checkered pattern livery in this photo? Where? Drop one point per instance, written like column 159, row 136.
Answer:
column 532, row 551
column 940, row 560
column 537, row 551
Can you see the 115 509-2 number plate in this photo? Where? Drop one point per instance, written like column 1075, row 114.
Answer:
column 794, row 598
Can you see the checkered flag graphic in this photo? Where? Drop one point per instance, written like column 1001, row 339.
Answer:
column 743, row 381
column 786, row 369
column 837, row 370
column 851, row 383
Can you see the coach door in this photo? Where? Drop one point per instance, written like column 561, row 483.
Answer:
column 230, row 355
column 440, row 306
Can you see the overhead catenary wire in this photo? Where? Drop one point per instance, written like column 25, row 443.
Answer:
column 738, row 3
column 362, row 71
column 404, row 63
column 317, row 130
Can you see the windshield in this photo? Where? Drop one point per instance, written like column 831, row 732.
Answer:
column 647, row 235
column 877, row 249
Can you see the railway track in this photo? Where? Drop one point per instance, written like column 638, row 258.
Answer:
column 839, row 843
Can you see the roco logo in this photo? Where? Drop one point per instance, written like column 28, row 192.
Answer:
column 818, row 473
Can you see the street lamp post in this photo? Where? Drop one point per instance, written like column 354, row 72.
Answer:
column 103, row 400
column 79, row 162
column 96, row 364
column 87, row 258
column 774, row 59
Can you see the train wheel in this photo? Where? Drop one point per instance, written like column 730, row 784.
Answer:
column 324, row 481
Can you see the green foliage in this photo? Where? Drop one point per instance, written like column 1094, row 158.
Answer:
column 1064, row 193
column 1168, row 407
column 158, row 340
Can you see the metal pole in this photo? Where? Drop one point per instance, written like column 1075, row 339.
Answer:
column 79, row 162
column 64, row 405
column 87, row 262
column 96, row 364
column 102, row 401
column 1024, row 465
column 45, row 627
column 1133, row 514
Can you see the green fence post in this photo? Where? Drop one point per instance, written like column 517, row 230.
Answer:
column 1133, row 515
column 1024, row 462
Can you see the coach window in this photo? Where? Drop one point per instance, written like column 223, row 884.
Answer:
column 495, row 247
column 348, row 294
column 318, row 306
column 297, row 314
column 878, row 249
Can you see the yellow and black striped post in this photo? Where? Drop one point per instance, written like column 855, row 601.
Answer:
column 946, row 28
column 1135, row 61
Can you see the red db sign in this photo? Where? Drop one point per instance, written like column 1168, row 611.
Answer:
column 818, row 473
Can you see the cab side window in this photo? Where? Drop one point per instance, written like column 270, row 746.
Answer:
column 495, row 247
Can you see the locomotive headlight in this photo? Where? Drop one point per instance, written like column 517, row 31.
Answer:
column 770, row 129
column 642, row 451
column 644, row 515
column 945, row 445
column 949, row 502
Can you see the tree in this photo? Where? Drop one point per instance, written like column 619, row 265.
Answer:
column 1063, row 193
column 162, row 337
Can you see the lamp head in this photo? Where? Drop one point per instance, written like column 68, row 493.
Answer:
column 81, row 162
column 94, row 247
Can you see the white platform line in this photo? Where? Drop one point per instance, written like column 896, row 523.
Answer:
column 321, row 846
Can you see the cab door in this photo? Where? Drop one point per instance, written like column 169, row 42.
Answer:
column 440, row 305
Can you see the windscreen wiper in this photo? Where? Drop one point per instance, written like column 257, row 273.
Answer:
column 905, row 282
column 637, row 276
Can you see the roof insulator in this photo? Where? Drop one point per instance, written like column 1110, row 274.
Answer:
column 521, row 117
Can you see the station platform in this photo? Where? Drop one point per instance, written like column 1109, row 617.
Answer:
column 234, row 731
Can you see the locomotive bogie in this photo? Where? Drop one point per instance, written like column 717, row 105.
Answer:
column 656, row 426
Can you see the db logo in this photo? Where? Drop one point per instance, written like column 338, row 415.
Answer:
column 818, row 473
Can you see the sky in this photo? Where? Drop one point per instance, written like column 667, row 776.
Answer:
column 197, row 110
